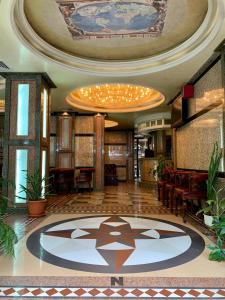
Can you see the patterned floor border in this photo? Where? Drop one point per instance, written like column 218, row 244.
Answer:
column 37, row 292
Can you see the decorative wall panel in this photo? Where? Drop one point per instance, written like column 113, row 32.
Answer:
column 20, row 90
column 194, row 141
column 52, row 151
column 84, row 151
column 121, row 173
column 84, row 125
column 117, row 137
column 116, row 154
column 64, row 160
column 208, row 91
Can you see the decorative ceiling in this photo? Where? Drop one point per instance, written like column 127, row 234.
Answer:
column 115, row 29
column 115, row 98
column 35, row 37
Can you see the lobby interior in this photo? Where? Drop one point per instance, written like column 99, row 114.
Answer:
column 118, row 105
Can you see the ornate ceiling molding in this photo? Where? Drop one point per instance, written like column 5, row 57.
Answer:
column 195, row 44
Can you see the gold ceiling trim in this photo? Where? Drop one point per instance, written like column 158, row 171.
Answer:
column 115, row 98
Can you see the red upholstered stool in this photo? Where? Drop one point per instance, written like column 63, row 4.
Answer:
column 169, row 187
column 181, row 188
column 196, row 193
column 162, row 184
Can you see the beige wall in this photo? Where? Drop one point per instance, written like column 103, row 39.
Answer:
column 194, row 141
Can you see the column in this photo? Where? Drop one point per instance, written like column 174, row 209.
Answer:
column 26, row 130
column 64, row 134
column 99, row 152
column 130, row 156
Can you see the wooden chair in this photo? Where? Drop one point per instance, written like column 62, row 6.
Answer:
column 197, row 192
column 110, row 174
column 84, row 178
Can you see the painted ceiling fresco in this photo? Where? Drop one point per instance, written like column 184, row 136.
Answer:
column 106, row 19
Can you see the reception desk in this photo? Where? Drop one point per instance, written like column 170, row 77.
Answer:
column 147, row 165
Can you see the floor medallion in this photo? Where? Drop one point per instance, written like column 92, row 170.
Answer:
column 115, row 244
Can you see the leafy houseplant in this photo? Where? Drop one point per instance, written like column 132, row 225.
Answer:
column 36, row 192
column 215, row 207
column 158, row 171
column 214, row 204
column 7, row 234
column 218, row 251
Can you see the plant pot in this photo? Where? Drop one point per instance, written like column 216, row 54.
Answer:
column 208, row 220
column 36, row 208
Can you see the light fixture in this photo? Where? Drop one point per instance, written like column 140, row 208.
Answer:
column 115, row 98
column 110, row 123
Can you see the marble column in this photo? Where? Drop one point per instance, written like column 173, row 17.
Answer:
column 64, row 138
column 99, row 152
column 26, row 130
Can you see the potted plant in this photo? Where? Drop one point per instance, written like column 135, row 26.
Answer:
column 213, row 203
column 7, row 234
column 36, row 192
column 159, row 168
column 218, row 250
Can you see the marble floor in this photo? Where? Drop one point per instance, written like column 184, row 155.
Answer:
column 118, row 244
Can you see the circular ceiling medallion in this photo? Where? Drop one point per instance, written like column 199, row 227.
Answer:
column 115, row 244
column 117, row 37
column 116, row 29
column 115, row 98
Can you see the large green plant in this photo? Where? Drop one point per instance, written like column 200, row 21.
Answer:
column 213, row 170
column 7, row 234
column 218, row 250
column 36, row 187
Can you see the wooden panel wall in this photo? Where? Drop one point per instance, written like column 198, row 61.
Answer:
column 119, row 150
column 64, row 158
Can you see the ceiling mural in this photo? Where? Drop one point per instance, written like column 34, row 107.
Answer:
column 111, row 30
column 105, row 19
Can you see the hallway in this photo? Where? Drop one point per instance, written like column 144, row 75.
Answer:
column 118, row 244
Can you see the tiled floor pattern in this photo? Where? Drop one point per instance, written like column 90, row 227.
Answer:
column 125, row 199
column 111, row 293
column 108, row 202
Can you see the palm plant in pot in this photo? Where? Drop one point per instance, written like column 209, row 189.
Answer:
column 36, row 192
column 7, row 234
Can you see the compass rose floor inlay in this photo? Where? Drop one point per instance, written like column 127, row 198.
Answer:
column 115, row 244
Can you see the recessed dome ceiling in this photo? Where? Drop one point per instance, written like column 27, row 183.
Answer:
column 115, row 29
column 115, row 98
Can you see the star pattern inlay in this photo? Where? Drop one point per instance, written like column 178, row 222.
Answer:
column 115, row 239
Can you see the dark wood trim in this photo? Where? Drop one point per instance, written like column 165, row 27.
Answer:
column 199, row 114
column 84, row 134
column 81, row 167
column 121, row 166
column 71, row 113
column 219, row 174
column 29, row 75
column 53, row 135
column 21, row 142
column 115, row 144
